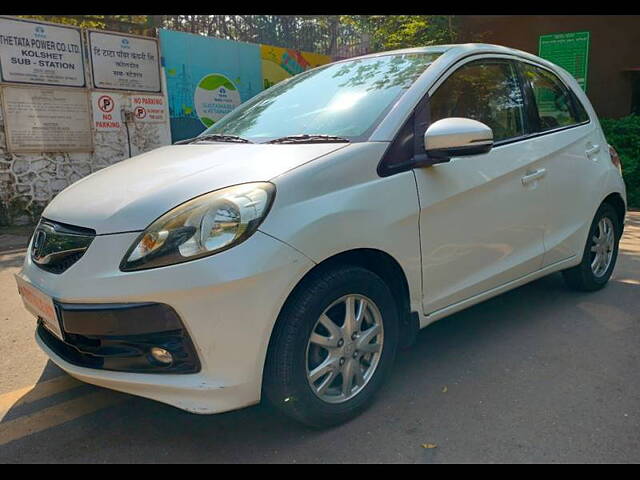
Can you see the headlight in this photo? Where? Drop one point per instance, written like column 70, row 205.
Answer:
column 203, row 226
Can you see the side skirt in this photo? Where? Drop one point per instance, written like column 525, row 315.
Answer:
column 456, row 307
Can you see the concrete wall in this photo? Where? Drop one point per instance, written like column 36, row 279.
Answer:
column 29, row 181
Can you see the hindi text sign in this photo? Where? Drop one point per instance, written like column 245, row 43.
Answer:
column 122, row 62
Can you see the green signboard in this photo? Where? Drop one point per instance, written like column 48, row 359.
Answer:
column 570, row 51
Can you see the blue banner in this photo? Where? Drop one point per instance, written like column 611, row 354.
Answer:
column 206, row 78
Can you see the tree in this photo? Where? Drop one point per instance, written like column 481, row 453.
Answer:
column 139, row 24
column 336, row 35
column 388, row 32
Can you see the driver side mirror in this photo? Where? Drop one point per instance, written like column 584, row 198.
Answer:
column 457, row 137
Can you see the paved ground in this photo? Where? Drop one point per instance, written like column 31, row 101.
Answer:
column 539, row 374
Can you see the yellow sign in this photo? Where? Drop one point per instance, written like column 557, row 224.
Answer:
column 280, row 63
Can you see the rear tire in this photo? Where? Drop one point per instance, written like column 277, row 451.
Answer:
column 301, row 346
column 600, row 252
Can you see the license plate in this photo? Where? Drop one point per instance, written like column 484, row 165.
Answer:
column 41, row 305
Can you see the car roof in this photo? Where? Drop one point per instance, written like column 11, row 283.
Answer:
column 451, row 48
column 454, row 52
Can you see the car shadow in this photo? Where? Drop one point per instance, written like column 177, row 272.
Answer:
column 469, row 347
column 447, row 352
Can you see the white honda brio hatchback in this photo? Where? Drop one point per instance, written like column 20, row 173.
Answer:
column 291, row 248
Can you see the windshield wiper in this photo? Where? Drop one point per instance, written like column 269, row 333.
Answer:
column 214, row 137
column 305, row 138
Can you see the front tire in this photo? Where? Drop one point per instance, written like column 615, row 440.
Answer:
column 333, row 346
column 600, row 252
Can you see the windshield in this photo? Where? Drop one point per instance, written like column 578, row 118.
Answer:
column 343, row 99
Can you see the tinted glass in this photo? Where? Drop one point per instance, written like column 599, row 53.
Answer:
column 554, row 100
column 344, row 99
column 581, row 113
column 487, row 91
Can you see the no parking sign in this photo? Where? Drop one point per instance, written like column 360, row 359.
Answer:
column 106, row 111
column 148, row 108
column 140, row 113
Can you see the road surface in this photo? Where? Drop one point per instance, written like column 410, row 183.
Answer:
column 539, row 374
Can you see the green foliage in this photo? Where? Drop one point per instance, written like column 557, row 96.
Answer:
column 624, row 135
column 390, row 32
column 313, row 33
column 342, row 35
column 76, row 22
column 126, row 23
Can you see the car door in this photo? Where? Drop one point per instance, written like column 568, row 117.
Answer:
column 481, row 217
column 570, row 146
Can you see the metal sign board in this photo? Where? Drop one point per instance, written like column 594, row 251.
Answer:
column 40, row 53
column 124, row 62
column 40, row 119
column 568, row 50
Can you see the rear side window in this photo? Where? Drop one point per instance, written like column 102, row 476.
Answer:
column 485, row 90
column 580, row 113
column 557, row 106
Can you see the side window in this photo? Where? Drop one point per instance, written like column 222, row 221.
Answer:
column 403, row 146
column 485, row 90
column 581, row 113
column 557, row 105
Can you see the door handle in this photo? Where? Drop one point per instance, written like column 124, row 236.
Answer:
column 533, row 175
column 592, row 151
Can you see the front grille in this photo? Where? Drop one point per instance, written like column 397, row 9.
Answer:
column 63, row 264
column 56, row 246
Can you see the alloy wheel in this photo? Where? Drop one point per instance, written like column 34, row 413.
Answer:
column 602, row 247
column 344, row 348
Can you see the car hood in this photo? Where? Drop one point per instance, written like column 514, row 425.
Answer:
column 129, row 195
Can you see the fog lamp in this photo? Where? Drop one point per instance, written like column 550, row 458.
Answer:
column 161, row 355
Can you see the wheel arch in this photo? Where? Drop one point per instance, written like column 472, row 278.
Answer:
column 382, row 264
column 616, row 201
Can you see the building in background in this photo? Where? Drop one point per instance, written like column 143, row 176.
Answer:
column 611, row 60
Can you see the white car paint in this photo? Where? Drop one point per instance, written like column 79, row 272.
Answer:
column 461, row 232
column 122, row 197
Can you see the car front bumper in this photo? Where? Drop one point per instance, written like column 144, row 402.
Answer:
column 227, row 303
